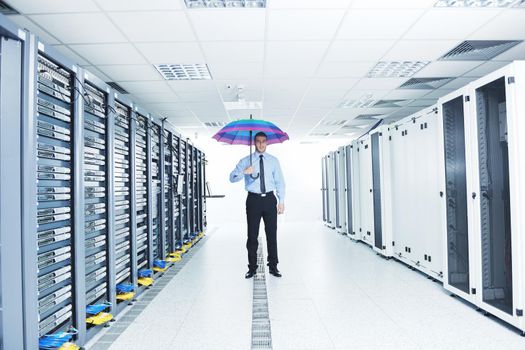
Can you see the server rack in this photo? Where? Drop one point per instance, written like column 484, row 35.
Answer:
column 341, row 224
column 366, row 227
column 156, row 189
column 14, row 49
column 178, row 190
column 324, row 190
column 183, row 171
column 349, row 193
column 356, row 191
column 332, row 203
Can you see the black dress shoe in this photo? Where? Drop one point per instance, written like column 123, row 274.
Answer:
column 275, row 272
column 250, row 274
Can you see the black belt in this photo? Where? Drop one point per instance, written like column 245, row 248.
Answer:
column 259, row 194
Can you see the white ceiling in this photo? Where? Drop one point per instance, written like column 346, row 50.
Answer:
column 301, row 58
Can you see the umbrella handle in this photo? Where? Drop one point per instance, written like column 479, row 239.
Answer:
column 254, row 177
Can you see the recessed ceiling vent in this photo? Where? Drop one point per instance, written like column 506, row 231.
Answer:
column 117, row 87
column 5, row 9
column 394, row 69
column 388, row 103
column 215, row 124
column 196, row 71
column 425, row 83
column 369, row 117
column 320, row 134
column 479, row 50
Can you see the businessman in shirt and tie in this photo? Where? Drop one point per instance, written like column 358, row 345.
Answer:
column 261, row 180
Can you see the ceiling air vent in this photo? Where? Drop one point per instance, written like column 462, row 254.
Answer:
column 406, row 69
column 117, row 87
column 388, row 103
column 425, row 83
column 319, row 134
column 5, row 9
column 370, row 117
column 215, row 124
column 478, row 50
column 475, row 3
column 191, row 4
column 184, row 71
column 357, row 103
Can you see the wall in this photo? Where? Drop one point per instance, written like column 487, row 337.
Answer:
column 301, row 165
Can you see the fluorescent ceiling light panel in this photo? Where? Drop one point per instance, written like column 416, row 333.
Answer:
column 478, row 50
column 184, row 71
column 388, row 103
column 191, row 4
column 215, row 124
column 385, row 69
column 475, row 3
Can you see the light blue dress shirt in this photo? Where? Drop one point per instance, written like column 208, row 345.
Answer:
column 273, row 176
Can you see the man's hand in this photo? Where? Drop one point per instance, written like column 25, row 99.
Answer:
column 248, row 170
column 280, row 208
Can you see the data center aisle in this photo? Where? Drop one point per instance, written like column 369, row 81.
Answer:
column 334, row 294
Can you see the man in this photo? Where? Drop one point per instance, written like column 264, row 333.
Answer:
column 260, row 180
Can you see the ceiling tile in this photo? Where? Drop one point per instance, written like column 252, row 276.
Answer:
column 344, row 69
column 447, row 69
column 379, row 83
column 486, row 68
column 138, row 5
column 236, row 70
column 133, row 72
column 53, row 6
column 422, row 103
column 438, row 93
column 419, row 50
column 377, row 24
column 299, row 24
column 158, row 97
column 295, row 51
column 515, row 53
column 234, row 51
column 308, row 4
column 140, row 87
column 449, row 23
column 457, row 83
column 24, row 22
column 290, row 70
column 161, row 53
column 226, row 24
column 73, row 56
column 358, row 50
column 154, row 26
column 99, row 54
column 332, row 84
column 405, row 94
column 95, row 71
column 382, row 4
column 192, row 86
column 65, row 27
column 506, row 26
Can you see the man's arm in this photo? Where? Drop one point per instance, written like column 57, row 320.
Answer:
column 238, row 173
column 280, row 187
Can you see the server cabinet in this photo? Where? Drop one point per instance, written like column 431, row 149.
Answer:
column 332, row 202
column 356, row 191
column 349, row 190
column 183, row 171
column 200, row 191
column 458, row 242
column 178, row 191
column 13, row 52
column 366, row 228
column 341, row 190
column 381, row 190
column 156, row 189
column 493, row 154
column 415, row 192
column 324, row 190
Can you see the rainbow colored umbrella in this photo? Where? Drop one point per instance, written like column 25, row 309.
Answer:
column 240, row 132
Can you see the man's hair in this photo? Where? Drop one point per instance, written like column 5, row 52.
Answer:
column 260, row 133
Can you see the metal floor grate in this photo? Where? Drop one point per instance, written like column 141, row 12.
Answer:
column 261, row 329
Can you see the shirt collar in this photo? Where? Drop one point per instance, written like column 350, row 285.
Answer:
column 257, row 154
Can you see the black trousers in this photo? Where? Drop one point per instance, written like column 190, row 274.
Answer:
column 258, row 207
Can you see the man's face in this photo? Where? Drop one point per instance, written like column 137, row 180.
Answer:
column 260, row 144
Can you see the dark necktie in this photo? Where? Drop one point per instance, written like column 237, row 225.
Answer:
column 261, row 171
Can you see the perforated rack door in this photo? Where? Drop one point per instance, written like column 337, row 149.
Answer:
column 156, row 188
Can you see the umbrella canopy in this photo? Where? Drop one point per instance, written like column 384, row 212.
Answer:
column 240, row 132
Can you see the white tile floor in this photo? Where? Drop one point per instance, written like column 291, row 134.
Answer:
column 334, row 294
